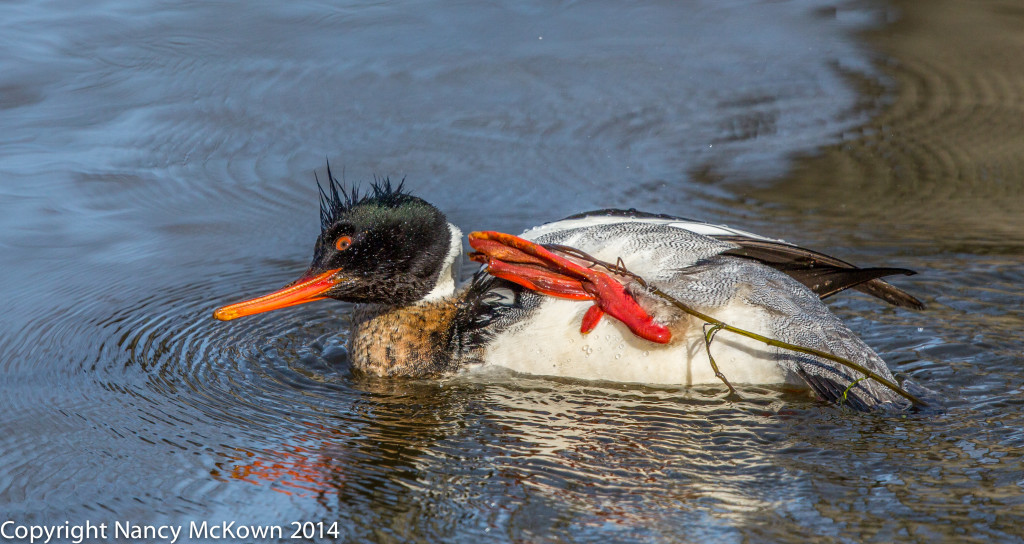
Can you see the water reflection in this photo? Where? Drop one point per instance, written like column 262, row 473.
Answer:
column 516, row 442
column 941, row 160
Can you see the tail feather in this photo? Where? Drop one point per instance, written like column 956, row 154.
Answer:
column 821, row 273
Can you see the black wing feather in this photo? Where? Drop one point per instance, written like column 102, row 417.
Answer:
column 823, row 274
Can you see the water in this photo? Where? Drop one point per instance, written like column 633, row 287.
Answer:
column 157, row 161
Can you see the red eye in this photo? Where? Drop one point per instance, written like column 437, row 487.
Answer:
column 343, row 243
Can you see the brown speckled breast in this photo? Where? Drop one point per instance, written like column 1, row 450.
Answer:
column 404, row 341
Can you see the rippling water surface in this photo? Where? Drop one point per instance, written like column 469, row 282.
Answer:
column 157, row 158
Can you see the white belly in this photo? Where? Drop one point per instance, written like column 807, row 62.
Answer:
column 551, row 344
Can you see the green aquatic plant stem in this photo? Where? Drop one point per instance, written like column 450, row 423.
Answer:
column 717, row 324
column 709, row 335
column 852, row 384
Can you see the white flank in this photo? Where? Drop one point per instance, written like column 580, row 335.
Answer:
column 550, row 343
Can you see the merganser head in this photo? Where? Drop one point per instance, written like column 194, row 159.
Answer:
column 385, row 247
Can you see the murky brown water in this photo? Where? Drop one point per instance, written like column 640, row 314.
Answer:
column 156, row 160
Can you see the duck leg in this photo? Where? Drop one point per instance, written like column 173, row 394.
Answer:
column 534, row 267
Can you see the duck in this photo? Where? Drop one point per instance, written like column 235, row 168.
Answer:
column 534, row 306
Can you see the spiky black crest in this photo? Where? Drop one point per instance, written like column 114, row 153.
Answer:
column 336, row 200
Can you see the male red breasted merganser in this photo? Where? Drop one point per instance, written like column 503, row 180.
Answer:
column 397, row 257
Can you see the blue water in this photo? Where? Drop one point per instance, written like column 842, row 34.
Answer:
column 157, row 160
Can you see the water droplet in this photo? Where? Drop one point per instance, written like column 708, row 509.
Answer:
column 646, row 353
column 618, row 355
